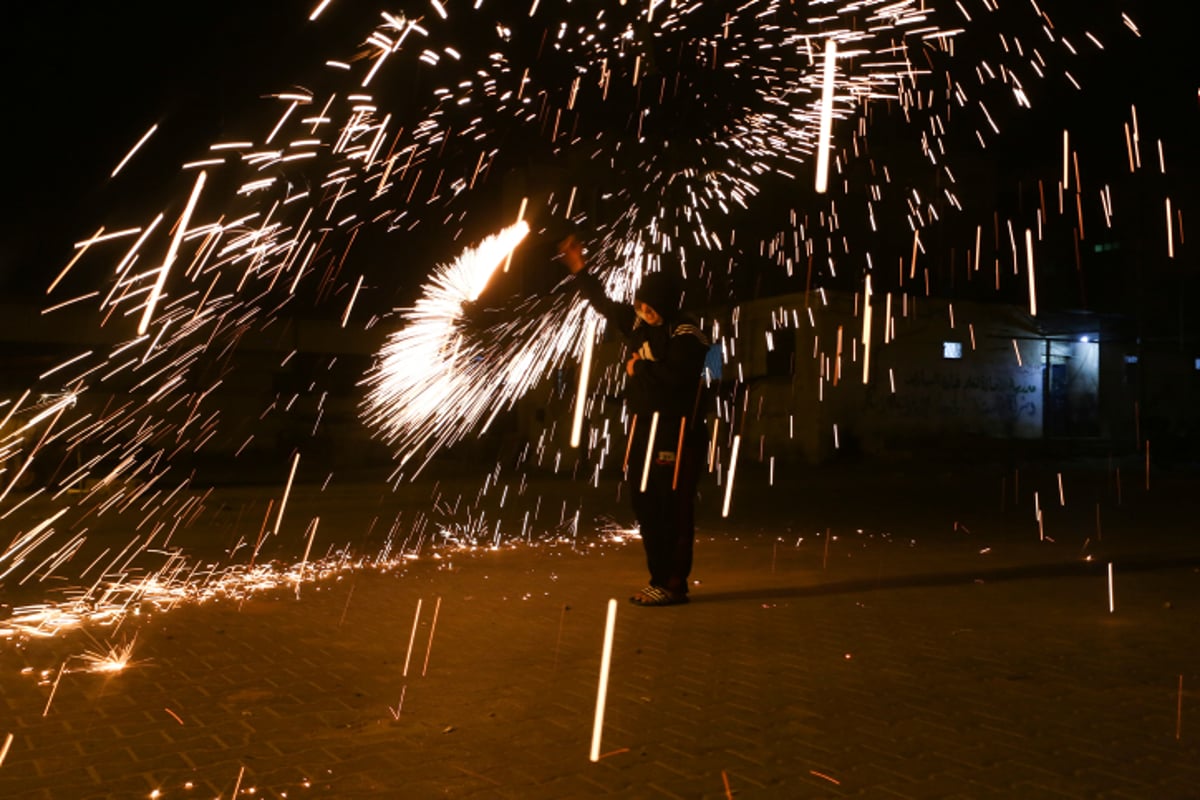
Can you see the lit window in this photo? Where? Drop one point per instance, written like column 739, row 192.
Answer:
column 952, row 350
column 1131, row 359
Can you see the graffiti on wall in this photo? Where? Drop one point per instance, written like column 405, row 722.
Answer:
column 1002, row 402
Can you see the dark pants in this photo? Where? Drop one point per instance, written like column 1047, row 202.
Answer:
column 666, row 510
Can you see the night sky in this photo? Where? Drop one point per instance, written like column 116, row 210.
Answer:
column 86, row 80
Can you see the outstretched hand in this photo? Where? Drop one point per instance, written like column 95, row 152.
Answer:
column 570, row 250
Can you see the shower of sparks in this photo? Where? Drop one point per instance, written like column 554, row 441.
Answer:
column 678, row 117
column 433, row 383
column 114, row 659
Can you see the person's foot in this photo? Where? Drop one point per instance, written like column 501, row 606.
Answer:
column 654, row 596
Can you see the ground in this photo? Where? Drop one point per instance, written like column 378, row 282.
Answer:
column 854, row 632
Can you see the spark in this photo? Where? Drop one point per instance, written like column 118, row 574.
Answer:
column 412, row 637
column 432, row 627
column 145, row 137
column 287, row 489
column 733, row 457
column 114, row 659
column 1033, row 310
column 168, row 262
column 826, row 123
column 602, row 687
column 316, row 12
column 649, row 451
column 1111, row 605
column 585, row 366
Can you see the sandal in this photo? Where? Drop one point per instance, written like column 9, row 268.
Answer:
column 654, row 596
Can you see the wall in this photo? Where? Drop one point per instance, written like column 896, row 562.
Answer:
column 913, row 397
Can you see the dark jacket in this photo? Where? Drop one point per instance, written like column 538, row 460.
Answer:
column 668, row 378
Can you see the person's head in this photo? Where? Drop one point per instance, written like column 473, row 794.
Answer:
column 657, row 298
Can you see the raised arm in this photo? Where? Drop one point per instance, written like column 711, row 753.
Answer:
column 619, row 315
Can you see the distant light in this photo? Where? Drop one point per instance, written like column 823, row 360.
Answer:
column 952, row 350
column 1131, row 359
column 1085, row 339
column 1198, row 363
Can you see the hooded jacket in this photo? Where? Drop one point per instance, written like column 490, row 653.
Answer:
column 668, row 375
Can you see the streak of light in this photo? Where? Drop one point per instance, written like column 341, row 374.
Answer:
column 286, row 491
column 83, row 248
column 8, row 740
column 432, row 627
column 826, row 123
column 350, row 305
column 145, row 137
column 866, row 333
column 1170, row 232
column 312, row 533
column 316, row 12
column 585, row 368
column 54, row 689
column 649, row 451
column 1111, row 605
column 412, row 637
column 180, row 230
column 826, row 777
column 602, row 687
column 1033, row 310
column 733, row 456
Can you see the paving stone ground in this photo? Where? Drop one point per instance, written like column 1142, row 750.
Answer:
column 974, row 660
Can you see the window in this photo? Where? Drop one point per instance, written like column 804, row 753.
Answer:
column 952, row 350
column 781, row 353
column 713, row 362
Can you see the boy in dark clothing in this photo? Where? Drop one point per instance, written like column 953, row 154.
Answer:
column 664, row 391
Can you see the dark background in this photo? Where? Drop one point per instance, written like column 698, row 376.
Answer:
column 84, row 81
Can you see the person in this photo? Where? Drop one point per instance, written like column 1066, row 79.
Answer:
column 665, row 393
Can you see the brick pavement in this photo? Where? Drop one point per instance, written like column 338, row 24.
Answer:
column 879, row 666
